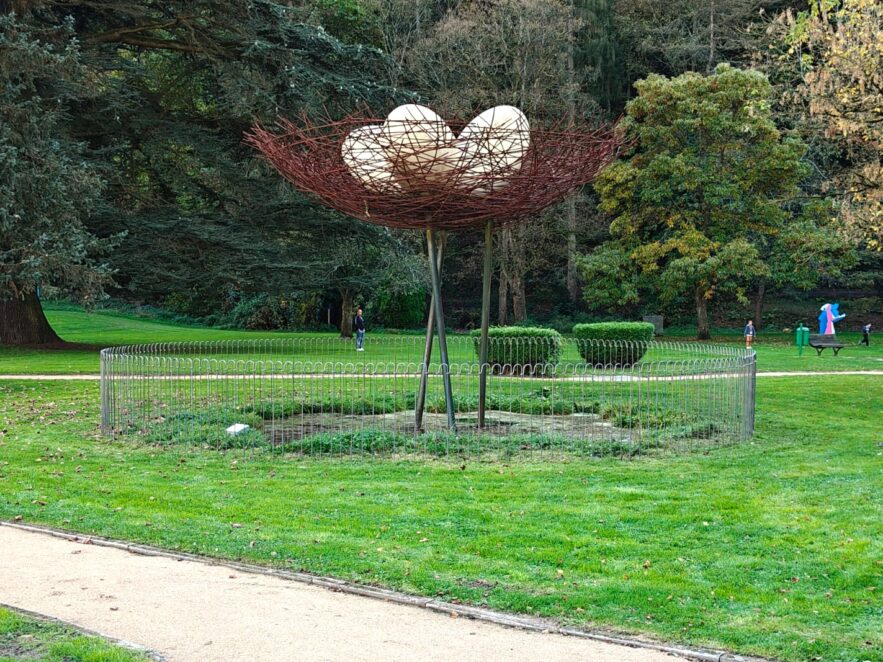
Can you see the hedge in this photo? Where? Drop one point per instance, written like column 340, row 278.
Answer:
column 613, row 343
column 520, row 346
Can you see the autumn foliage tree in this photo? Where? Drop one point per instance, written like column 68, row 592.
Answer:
column 708, row 174
column 840, row 43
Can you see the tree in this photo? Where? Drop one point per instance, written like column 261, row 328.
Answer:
column 598, row 54
column 840, row 44
column 482, row 54
column 176, row 85
column 708, row 174
column 365, row 263
column 402, row 23
column 804, row 253
column 47, row 186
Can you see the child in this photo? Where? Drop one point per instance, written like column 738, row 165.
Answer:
column 749, row 334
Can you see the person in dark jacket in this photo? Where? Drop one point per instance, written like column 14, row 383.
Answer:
column 360, row 330
column 866, row 335
column 749, row 333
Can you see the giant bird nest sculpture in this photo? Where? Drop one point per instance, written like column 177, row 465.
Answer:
column 414, row 170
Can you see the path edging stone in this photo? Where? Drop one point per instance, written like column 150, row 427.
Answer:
column 527, row 623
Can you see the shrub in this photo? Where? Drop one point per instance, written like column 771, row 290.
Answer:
column 400, row 311
column 526, row 346
column 267, row 312
column 613, row 343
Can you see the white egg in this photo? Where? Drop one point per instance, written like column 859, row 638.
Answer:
column 412, row 124
column 415, row 149
column 364, row 154
column 447, row 162
column 494, row 145
column 416, row 139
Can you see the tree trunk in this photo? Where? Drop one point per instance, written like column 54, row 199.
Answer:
column 22, row 322
column 572, row 282
column 503, row 299
column 519, row 299
column 518, row 259
column 758, row 304
column 503, row 292
column 710, row 66
column 702, row 331
column 572, row 275
column 346, row 313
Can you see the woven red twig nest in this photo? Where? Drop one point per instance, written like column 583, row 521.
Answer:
column 434, row 174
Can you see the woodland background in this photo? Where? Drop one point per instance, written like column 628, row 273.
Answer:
column 753, row 188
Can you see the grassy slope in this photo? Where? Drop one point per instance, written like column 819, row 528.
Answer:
column 23, row 638
column 773, row 548
column 774, row 351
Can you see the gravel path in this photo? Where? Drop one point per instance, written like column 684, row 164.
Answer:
column 196, row 611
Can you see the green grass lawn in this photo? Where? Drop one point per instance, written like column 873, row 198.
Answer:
column 773, row 547
column 775, row 350
column 23, row 638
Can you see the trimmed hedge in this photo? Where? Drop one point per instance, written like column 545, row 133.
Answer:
column 528, row 346
column 613, row 343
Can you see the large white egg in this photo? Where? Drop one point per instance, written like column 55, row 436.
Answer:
column 412, row 124
column 417, row 140
column 364, row 155
column 447, row 163
column 494, row 145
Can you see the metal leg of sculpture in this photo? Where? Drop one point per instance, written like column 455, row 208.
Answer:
column 440, row 328
column 485, row 319
column 427, row 350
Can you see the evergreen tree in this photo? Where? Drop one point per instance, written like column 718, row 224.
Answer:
column 46, row 186
column 598, row 57
column 178, row 83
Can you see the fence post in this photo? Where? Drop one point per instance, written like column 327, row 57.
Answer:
column 105, row 398
column 750, row 405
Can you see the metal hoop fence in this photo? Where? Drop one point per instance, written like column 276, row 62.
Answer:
column 313, row 395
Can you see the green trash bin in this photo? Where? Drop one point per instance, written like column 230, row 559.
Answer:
column 801, row 338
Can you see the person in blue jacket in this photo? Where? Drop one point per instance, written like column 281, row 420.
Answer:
column 749, row 333
column 866, row 335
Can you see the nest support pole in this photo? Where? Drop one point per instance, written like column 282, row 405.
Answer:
column 427, row 350
column 440, row 327
column 485, row 319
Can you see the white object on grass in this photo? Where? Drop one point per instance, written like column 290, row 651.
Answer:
column 238, row 428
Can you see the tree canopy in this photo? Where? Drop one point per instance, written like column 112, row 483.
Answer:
column 49, row 187
column 123, row 172
column 709, row 176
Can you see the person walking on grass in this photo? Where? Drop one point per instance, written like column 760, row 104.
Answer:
column 749, row 334
column 866, row 335
column 360, row 330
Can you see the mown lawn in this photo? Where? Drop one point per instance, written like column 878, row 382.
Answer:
column 775, row 350
column 23, row 638
column 774, row 547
